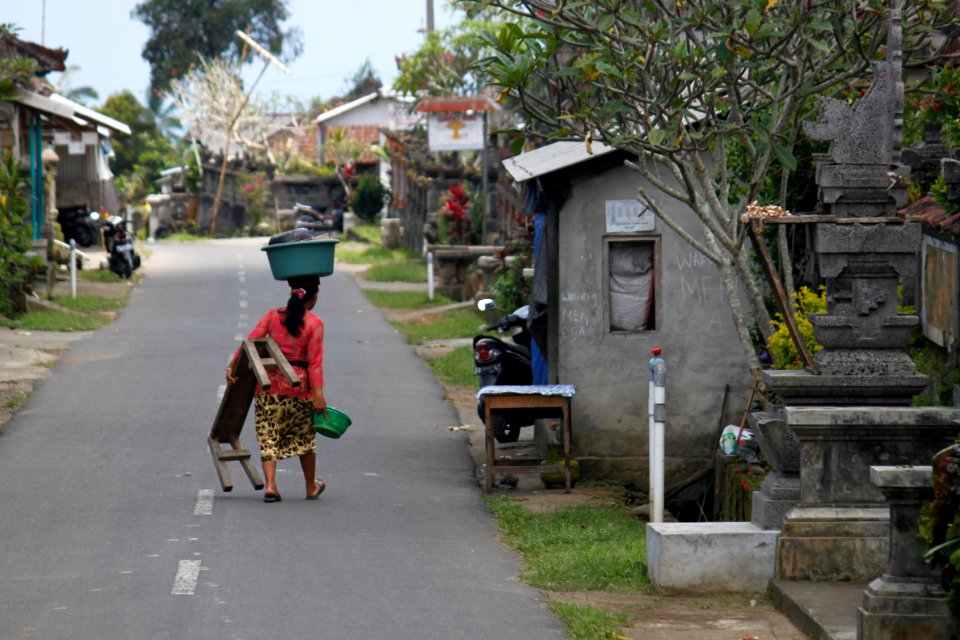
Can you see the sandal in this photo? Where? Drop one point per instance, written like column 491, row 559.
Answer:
column 271, row 497
column 320, row 485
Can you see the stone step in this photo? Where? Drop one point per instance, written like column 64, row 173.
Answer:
column 729, row 556
column 822, row 610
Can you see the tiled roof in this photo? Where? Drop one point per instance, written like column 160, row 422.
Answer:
column 930, row 213
column 48, row 59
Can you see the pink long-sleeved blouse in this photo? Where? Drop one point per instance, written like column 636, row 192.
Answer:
column 304, row 348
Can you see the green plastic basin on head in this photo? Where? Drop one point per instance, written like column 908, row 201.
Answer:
column 305, row 258
column 334, row 425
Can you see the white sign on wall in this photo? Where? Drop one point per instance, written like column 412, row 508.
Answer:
column 628, row 216
column 455, row 131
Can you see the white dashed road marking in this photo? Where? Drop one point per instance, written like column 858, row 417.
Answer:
column 204, row 504
column 185, row 583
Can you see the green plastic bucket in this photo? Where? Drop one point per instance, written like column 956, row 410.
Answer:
column 305, row 258
column 334, row 425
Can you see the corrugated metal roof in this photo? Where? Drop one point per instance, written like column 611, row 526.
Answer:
column 359, row 102
column 553, row 157
column 65, row 108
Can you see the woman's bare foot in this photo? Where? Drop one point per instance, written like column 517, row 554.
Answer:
column 318, row 486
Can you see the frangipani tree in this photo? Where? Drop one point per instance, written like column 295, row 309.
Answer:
column 707, row 95
column 213, row 104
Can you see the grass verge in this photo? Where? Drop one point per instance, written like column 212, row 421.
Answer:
column 50, row 320
column 589, row 623
column 369, row 231
column 404, row 299
column 459, row 323
column 98, row 275
column 90, row 304
column 580, row 548
column 455, row 368
column 397, row 271
column 15, row 401
column 372, row 255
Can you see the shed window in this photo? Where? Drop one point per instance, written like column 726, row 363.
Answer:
column 631, row 285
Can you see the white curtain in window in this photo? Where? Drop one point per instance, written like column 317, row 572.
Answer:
column 631, row 286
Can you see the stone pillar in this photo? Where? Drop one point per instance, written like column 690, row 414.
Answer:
column 840, row 529
column 780, row 490
column 907, row 601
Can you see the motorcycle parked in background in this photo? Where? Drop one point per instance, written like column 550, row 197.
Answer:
column 118, row 241
column 79, row 224
column 318, row 218
column 501, row 362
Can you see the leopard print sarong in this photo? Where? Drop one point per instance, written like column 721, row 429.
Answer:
column 284, row 426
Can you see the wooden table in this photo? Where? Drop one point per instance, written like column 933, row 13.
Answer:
column 550, row 399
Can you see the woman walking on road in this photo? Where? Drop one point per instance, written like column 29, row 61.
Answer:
column 284, row 414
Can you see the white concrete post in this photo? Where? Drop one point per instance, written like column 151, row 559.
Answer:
column 429, row 275
column 658, row 416
column 73, row 268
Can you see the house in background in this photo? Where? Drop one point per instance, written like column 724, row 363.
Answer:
column 363, row 120
column 613, row 282
column 35, row 119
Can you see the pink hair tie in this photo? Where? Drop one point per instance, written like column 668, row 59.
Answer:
column 300, row 293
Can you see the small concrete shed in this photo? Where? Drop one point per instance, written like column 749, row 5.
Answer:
column 611, row 283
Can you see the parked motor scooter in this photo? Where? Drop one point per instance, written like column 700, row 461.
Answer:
column 501, row 362
column 79, row 224
column 121, row 256
column 318, row 218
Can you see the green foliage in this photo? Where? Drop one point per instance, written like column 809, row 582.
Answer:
column 934, row 362
column 254, row 187
column 584, row 622
column 938, row 528
column 582, row 548
column 14, row 401
column 404, row 299
column 369, row 197
column 782, row 350
column 460, row 323
column 15, row 239
column 142, row 155
column 511, row 289
column 15, row 72
column 183, row 32
column 446, row 62
column 90, row 304
column 374, row 254
column 49, row 320
column 397, row 271
column 367, row 232
column 934, row 100
column 455, row 368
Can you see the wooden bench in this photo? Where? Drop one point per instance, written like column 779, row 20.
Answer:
column 256, row 356
column 548, row 399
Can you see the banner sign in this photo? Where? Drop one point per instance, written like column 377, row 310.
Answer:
column 455, row 131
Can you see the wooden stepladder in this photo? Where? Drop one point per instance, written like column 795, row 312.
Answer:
column 256, row 356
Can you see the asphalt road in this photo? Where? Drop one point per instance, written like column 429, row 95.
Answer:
column 113, row 524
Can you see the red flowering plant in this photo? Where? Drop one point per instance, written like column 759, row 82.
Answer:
column 456, row 215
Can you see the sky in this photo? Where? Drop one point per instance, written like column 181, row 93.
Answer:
column 105, row 43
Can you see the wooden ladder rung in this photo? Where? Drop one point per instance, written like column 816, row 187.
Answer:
column 233, row 454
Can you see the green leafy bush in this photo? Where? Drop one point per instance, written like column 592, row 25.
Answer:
column 938, row 528
column 369, row 197
column 15, row 239
column 511, row 289
column 782, row 350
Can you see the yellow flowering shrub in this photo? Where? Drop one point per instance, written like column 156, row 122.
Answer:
column 782, row 350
